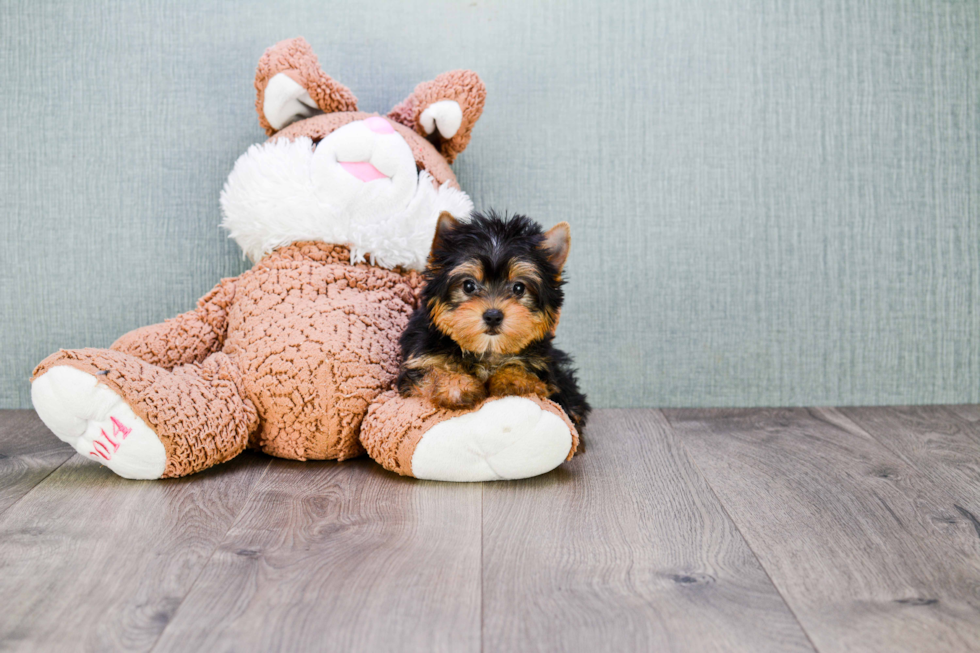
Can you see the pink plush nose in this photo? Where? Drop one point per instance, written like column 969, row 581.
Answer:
column 379, row 125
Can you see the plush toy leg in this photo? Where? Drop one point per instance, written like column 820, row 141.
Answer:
column 505, row 438
column 143, row 421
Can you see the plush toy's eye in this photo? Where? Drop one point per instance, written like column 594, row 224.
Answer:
column 518, row 289
column 469, row 287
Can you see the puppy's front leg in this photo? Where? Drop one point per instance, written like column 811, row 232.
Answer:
column 451, row 389
column 516, row 380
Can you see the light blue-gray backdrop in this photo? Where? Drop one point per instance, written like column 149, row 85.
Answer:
column 772, row 202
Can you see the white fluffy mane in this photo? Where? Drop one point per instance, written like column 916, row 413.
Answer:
column 270, row 200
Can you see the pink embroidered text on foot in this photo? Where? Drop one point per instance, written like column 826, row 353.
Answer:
column 119, row 430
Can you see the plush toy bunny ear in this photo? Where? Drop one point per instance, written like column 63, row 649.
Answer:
column 444, row 110
column 290, row 86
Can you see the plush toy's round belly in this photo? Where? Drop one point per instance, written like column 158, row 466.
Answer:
column 317, row 341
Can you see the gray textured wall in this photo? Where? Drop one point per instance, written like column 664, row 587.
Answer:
column 772, row 202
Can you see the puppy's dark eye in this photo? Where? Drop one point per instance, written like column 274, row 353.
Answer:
column 469, row 287
column 518, row 289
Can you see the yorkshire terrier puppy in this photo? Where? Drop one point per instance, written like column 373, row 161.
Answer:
column 486, row 321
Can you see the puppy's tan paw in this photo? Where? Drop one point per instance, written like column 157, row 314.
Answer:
column 513, row 380
column 452, row 389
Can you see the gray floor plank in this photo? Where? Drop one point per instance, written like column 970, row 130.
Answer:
column 341, row 557
column 869, row 553
column 969, row 412
column 937, row 441
column 92, row 561
column 28, row 453
column 624, row 549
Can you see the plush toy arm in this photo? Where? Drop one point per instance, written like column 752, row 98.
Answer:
column 188, row 338
column 500, row 438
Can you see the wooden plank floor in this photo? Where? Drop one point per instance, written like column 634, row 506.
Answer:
column 851, row 529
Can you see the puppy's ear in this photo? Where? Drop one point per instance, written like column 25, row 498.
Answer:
column 444, row 110
column 444, row 226
column 290, row 86
column 556, row 244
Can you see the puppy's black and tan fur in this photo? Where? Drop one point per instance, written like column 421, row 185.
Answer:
column 487, row 318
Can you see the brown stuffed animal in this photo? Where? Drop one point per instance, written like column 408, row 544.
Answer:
column 297, row 356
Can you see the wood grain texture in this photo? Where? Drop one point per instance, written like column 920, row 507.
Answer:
column 96, row 562
column 868, row 552
column 624, row 549
column 341, row 557
column 28, row 453
column 756, row 530
column 936, row 440
column 969, row 412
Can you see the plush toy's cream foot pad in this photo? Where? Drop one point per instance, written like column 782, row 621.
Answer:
column 507, row 438
column 500, row 439
column 97, row 423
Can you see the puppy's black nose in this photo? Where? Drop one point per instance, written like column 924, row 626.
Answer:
column 493, row 317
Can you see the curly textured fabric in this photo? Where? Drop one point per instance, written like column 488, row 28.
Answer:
column 317, row 341
column 295, row 57
column 198, row 411
column 464, row 87
column 187, row 338
column 306, row 342
column 394, row 425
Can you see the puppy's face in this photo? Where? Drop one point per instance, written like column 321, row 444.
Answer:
column 496, row 290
